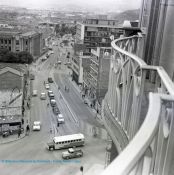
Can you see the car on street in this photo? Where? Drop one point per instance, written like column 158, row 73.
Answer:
column 44, row 58
column 43, row 96
column 50, row 80
column 36, row 126
column 60, row 119
column 50, row 92
column 34, row 93
column 47, row 86
column 51, row 52
column 56, row 110
column 51, row 96
column 59, row 62
column 53, row 102
column 72, row 153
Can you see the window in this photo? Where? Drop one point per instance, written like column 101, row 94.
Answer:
column 17, row 42
column 9, row 41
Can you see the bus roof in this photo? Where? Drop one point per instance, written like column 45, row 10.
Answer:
column 68, row 137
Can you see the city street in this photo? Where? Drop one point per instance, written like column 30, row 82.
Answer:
column 29, row 155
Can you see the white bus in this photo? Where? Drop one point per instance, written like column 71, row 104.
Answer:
column 66, row 141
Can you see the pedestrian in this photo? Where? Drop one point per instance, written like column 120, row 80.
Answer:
column 50, row 130
column 19, row 132
column 48, row 104
column 22, row 121
column 65, row 88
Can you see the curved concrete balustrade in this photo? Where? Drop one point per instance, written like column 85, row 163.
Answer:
column 139, row 124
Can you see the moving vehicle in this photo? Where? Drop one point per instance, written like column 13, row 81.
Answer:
column 66, row 141
column 59, row 62
column 43, row 96
column 72, row 153
column 34, row 93
column 36, row 126
column 60, row 119
column 53, row 102
column 50, row 80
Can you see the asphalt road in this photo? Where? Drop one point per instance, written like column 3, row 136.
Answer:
column 29, row 156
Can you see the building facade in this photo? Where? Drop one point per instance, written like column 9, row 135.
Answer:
column 13, row 78
column 31, row 42
column 90, row 34
column 156, row 21
column 96, row 80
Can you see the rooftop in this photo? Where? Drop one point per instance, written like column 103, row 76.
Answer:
column 10, row 103
column 28, row 34
column 20, row 67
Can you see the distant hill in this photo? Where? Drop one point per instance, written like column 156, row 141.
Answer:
column 130, row 15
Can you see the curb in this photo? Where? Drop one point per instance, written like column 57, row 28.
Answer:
column 13, row 140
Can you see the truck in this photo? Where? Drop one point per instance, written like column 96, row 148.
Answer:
column 72, row 153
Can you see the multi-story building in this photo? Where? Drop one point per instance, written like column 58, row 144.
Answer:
column 32, row 43
column 15, row 41
column 96, row 80
column 9, row 40
column 90, row 34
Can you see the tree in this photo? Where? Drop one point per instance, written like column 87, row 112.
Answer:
column 11, row 57
column 25, row 57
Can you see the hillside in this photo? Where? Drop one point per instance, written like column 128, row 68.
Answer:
column 130, row 15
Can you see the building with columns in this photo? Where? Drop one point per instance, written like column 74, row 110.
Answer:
column 31, row 42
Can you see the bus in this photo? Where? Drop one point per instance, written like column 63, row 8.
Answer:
column 66, row 141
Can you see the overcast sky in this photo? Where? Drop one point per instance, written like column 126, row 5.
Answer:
column 127, row 4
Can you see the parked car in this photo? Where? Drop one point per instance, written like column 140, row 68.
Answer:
column 50, row 80
column 34, row 93
column 51, row 96
column 60, row 119
column 43, row 96
column 72, row 153
column 56, row 110
column 47, row 86
column 36, row 126
column 53, row 102
column 50, row 92
column 44, row 58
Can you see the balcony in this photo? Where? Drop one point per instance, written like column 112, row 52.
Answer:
column 138, row 112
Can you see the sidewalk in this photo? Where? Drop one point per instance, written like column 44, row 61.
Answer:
column 86, row 99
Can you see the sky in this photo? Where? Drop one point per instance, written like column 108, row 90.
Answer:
column 108, row 4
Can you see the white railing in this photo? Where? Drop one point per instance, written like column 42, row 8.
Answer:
column 138, row 113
